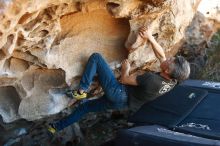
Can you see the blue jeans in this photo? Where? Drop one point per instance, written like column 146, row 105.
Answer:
column 115, row 94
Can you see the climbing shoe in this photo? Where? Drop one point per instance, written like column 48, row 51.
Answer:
column 51, row 129
column 76, row 94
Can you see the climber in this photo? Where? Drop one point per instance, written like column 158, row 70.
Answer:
column 144, row 86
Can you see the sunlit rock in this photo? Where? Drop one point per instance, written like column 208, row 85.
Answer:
column 45, row 44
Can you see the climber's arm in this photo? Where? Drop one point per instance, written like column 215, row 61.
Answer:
column 126, row 78
column 146, row 33
column 133, row 43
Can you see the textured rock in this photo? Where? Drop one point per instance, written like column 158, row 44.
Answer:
column 9, row 103
column 196, row 44
column 167, row 23
column 41, row 103
column 45, row 44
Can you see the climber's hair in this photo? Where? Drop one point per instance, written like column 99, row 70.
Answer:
column 180, row 70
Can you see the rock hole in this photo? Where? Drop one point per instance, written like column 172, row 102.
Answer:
column 43, row 33
column 156, row 35
column 2, row 55
column 9, row 42
column 10, row 38
column 78, row 6
column 30, row 25
column 52, row 9
column 49, row 13
column 1, row 34
column 64, row 4
column 20, row 39
column 24, row 18
column 111, row 6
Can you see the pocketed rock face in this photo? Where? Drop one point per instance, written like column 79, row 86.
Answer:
column 45, row 44
column 167, row 20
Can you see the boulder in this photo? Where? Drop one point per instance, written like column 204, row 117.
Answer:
column 45, row 44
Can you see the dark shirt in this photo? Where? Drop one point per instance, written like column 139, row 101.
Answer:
column 150, row 86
